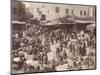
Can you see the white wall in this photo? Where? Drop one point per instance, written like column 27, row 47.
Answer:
column 5, row 37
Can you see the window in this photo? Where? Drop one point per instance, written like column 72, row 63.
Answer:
column 81, row 13
column 48, row 11
column 84, row 13
column 37, row 9
column 67, row 11
column 14, row 10
column 57, row 9
column 72, row 11
column 21, row 11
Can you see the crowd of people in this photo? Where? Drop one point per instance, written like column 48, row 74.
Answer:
column 44, row 49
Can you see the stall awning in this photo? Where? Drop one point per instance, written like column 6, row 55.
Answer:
column 56, row 23
column 18, row 22
column 84, row 22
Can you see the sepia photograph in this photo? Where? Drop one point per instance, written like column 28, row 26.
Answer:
column 52, row 37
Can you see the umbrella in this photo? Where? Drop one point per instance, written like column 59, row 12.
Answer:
column 32, row 62
column 90, row 27
column 58, row 30
column 17, row 59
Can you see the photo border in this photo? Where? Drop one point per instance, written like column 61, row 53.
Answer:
column 57, row 4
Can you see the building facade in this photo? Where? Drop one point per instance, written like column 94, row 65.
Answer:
column 55, row 11
column 18, row 11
